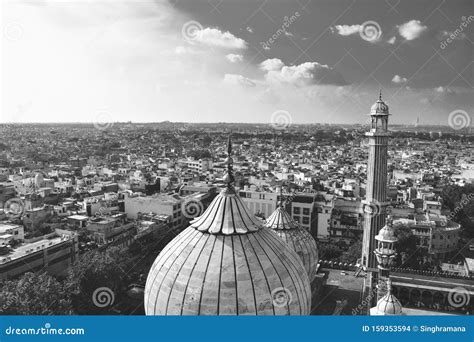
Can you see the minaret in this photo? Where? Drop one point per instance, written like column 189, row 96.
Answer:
column 376, row 189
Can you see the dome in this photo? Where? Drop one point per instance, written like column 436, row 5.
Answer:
column 297, row 238
column 389, row 304
column 379, row 107
column 386, row 234
column 226, row 263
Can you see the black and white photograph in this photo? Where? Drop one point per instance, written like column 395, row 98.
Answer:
column 237, row 157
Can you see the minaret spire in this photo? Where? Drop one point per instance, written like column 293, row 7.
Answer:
column 229, row 177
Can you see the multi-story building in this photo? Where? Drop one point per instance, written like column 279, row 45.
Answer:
column 54, row 253
column 9, row 232
column 170, row 205
column 115, row 230
column 435, row 232
column 259, row 202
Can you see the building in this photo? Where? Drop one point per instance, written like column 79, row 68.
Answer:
column 376, row 188
column 435, row 233
column 10, row 233
column 114, row 230
column 170, row 205
column 54, row 253
column 261, row 203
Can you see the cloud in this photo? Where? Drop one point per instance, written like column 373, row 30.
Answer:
column 235, row 79
column 217, row 38
column 441, row 89
column 392, row 40
column 346, row 30
column 399, row 80
column 272, row 64
column 249, row 29
column 412, row 29
column 308, row 73
column 233, row 58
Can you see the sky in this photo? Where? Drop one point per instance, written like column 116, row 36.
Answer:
column 312, row 61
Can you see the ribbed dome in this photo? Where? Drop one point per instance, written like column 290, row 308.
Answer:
column 379, row 107
column 389, row 304
column 297, row 238
column 225, row 263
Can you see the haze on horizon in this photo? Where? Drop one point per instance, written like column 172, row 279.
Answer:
column 197, row 61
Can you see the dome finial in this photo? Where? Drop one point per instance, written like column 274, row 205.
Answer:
column 229, row 177
column 389, row 286
column 280, row 192
column 380, row 94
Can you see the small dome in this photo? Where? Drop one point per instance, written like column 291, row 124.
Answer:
column 297, row 238
column 226, row 263
column 379, row 107
column 389, row 304
column 387, row 233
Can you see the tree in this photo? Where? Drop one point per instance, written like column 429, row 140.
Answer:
column 329, row 251
column 34, row 294
column 353, row 253
column 96, row 270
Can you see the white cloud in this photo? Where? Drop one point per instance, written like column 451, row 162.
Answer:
column 399, row 80
column 392, row 40
column 233, row 58
column 412, row 29
column 272, row 64
column 235, row 79
column 441, row 89
column 300, row 75
column 346, row 30
column 249, row 29
column 215, row 37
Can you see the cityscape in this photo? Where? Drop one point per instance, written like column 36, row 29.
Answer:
column 286, row 187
